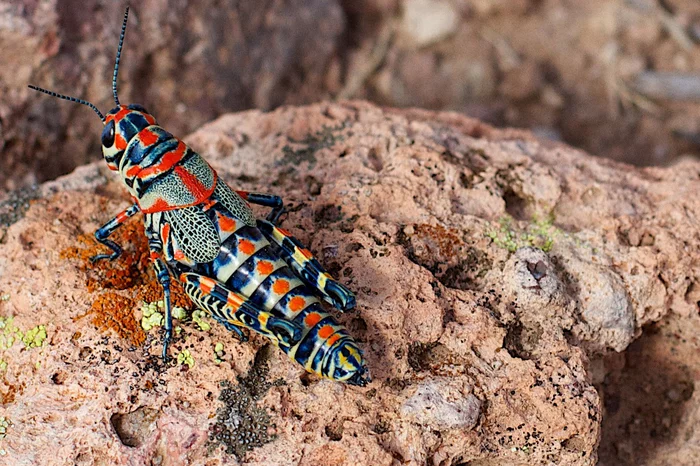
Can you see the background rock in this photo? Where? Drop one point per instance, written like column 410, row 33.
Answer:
column 604, row 76
column 499, row 314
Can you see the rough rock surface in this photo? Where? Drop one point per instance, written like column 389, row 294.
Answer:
column 490, row 268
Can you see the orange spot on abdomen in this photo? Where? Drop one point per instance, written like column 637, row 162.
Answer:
column 281, row 286
column 326, row 331
column 331, row 341
column 312, row 319
column 297, row 303
column 246, row 247
column 265, row 268
column 227, row 223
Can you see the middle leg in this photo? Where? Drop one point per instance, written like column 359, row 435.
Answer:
column 267, row 200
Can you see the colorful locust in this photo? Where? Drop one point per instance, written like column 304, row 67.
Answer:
column 245, row 273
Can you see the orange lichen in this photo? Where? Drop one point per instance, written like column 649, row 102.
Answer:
column 128, row 270
column 440, row 240
column 112, row 311
column 152, row 291
column 131, row 273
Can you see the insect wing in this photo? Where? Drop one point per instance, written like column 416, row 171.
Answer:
column 195, row 234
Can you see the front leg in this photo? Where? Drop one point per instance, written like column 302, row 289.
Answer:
column 155, row 244
column 164, row 279
column 110, row 227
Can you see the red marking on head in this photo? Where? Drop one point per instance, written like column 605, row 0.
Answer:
column 154, row 255
column 297, row 303
column 226, row 223
column 179, row 255
column 243, row 194
column 281, row 286
column 245, row 246
column 311, row 319
column 306, row 253
column 326, row 331
column 119, row 142
column 265, row 267
column 123, row 111
column 167, row 161
column 147, row 137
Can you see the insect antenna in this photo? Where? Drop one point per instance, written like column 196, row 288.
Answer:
column 119, row 54
column 72, row 99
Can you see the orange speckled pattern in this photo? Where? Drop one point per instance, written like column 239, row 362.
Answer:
column 112, row 311
column 130, row 274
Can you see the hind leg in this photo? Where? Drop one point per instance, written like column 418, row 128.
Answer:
column 307, row 267
column 233, row 309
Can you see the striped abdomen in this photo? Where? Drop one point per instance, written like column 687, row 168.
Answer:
column 248, row 264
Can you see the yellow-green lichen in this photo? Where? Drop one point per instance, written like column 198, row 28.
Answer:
column 4, row 425
column 198, row 317
column 5, row 297
column 179, row 313
column 9, row 334
column 153, row 314
column 3, row 365
column 540, row 233
column 219, row 353
column 185, row 357
column 34, row 337
column 151, row 317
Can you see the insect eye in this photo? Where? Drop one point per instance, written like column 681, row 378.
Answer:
column 108, row 134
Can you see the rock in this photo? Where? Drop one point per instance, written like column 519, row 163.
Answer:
column 429, row 21
column 487, row 311
column 443, row 406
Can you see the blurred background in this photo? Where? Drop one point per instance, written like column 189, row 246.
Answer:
column 617, row 78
